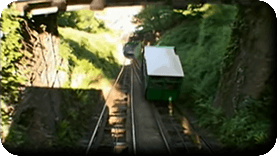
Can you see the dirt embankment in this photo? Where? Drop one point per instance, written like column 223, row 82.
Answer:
column 49, row 117
column 252, row 69
column 41, row 42
column 54, row 120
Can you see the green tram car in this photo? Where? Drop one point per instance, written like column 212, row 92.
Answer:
column 162, row 72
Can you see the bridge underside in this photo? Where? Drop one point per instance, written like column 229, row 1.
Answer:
column 40, row 7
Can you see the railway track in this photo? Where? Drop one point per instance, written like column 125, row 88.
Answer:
column 178, row 134
column 175, row 130
column 115, row 131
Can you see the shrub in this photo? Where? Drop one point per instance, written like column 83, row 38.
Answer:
column 247, row 127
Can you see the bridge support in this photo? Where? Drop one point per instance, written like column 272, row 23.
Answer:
column 50, row 21
column 97, row 4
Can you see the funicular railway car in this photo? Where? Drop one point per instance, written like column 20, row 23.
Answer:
column 162, row 72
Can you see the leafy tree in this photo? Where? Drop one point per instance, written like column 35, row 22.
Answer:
column 82, row 20
column 157, row 18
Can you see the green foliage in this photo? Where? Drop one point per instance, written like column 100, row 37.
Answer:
column 91, row 60
column 157, row 18
column 195, row 10
column 67, row 131
column 208, row 116
column 76, row 116
column 90, row 57
column 11, row 77
column 10, row 55
column 66, row 135
column 16, row 138
column 82, row 20
column 4, row 117
column 249, row 125
column 238, row 27
column 201, row 43
column 251, row 122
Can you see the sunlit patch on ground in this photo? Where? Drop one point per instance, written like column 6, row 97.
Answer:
column 106, row 91
column 187, row 130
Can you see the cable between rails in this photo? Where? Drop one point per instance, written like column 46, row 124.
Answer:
column 132, row 114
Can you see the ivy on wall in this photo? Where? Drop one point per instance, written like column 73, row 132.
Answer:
column 10, row 55
column 232, row 50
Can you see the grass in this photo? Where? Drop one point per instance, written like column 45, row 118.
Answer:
column 92, row 59
column 92, row 64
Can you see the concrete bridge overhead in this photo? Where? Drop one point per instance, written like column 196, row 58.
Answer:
column 39, row 7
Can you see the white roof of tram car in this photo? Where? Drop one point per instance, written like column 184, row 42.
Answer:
column 162, row 61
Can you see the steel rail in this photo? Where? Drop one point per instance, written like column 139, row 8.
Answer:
column 103, row 110
column 180, row 136
column 117, row 127
column 132, row 114
column 203, row 140
column 137, row 76
column 137, row 64
column 161, row 130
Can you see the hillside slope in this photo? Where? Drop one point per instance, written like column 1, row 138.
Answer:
column 73, row 72
column 226, row 53
column 250, row 72
column 92, row 58
column 201, row 44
